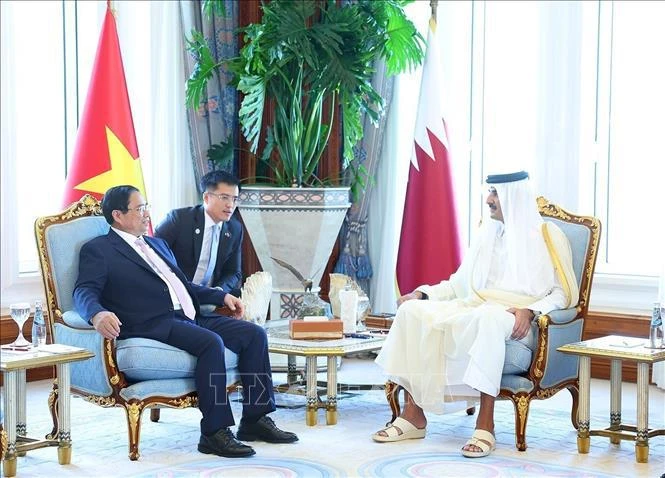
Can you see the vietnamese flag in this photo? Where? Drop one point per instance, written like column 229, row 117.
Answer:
column 106, row 153
column 429, row 247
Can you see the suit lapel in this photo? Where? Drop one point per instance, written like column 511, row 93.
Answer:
column 126, row 250
column 156, row 246
column 199, row 224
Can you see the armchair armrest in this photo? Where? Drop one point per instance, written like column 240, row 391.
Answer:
column 99, row 375
column 73, row 319
column 562, row 316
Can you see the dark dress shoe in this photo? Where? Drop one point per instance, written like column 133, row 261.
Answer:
column 223, row 443
column 266, row 430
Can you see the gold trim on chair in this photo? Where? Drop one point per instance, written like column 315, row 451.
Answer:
column 539, row 362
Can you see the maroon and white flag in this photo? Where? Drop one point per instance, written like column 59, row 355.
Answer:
column 429, row 248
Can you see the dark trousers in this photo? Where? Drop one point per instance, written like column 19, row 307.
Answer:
column 206, row 339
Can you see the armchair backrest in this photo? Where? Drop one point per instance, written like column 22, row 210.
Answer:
column 59, row 240
column 583, row 233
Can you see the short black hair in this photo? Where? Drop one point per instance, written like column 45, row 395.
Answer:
column 210, row 180
column 116, row 197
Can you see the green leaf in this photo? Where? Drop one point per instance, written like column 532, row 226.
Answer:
column 213, row 7
column 204, row 69
column 251, row 108
column 221, row 155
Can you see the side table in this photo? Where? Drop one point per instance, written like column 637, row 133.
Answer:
column 616, row 348
column 13, row 365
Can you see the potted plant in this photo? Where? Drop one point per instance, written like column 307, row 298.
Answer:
column 302, row 56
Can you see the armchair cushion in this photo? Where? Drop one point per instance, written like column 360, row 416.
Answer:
column 518, row 358
column 139, row 359
column 145, row 359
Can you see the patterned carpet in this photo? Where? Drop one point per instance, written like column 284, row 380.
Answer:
column 168, row 448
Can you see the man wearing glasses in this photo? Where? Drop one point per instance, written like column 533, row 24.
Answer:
column 129, row 285
column 206, row 239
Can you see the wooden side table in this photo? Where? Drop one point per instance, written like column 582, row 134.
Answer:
column 617, row 348
column 13, row 366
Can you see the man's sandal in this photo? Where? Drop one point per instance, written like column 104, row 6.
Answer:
column 483, row 440
column 399, row 430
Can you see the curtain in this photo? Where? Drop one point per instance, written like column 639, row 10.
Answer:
column 354, row 259
column 387, row 198
column 169, row 176
column 216, row 119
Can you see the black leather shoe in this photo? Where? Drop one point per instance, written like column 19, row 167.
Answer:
column 266, row 430
column 223, row 443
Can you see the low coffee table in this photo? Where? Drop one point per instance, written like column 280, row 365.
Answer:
column 280, row 342
column 616, row 348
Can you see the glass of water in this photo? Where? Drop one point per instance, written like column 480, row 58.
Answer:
column 20, row 313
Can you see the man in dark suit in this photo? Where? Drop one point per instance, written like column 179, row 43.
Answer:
column 130, row 286
column 206, row 239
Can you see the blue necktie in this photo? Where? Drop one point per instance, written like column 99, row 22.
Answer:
column 214, row 244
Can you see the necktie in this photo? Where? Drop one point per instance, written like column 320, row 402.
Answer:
column 212, row 259
column 173, row 280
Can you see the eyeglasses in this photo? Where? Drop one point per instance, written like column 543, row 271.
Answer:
column 227, row 198
column 141, row 209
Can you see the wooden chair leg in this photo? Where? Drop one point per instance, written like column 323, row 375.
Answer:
column 521, row 404
column 53, row 408
column 133, row 411
column 392, row 395
column 575, row 393
column 154, row 415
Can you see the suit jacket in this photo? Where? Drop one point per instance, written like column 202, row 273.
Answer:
column 179, row 230
column 114, row 277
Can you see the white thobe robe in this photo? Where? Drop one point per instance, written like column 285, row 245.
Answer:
column 452, row 346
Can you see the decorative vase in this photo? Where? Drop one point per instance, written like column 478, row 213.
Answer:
column 298, row 227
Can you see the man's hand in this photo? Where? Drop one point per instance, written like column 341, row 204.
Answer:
column 415, row 295
column 107, row 324
column 523, row 319
column 235, row 304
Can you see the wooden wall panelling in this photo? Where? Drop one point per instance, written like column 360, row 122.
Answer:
column 599, row 324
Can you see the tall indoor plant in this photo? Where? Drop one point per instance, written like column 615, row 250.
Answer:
column 312, row 61
column 302, row 54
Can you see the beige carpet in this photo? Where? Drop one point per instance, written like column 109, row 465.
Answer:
column 168, row 448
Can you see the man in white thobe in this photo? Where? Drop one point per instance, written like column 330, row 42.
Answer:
column 451, row 347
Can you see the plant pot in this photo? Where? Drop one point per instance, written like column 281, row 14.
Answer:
column 298, row 226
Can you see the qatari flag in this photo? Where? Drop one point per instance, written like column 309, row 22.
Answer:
column 429, row 247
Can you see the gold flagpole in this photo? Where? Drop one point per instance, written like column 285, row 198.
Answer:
column 432, row 20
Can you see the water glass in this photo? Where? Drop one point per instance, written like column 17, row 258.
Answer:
column 20, row 313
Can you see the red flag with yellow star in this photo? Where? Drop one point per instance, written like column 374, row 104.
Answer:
column 106, row 153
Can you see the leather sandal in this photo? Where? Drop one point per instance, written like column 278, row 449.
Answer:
column 483, row 440
column 399, row 430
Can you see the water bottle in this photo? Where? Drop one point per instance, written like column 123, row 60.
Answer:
column 38, row 326
column 656, row 328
